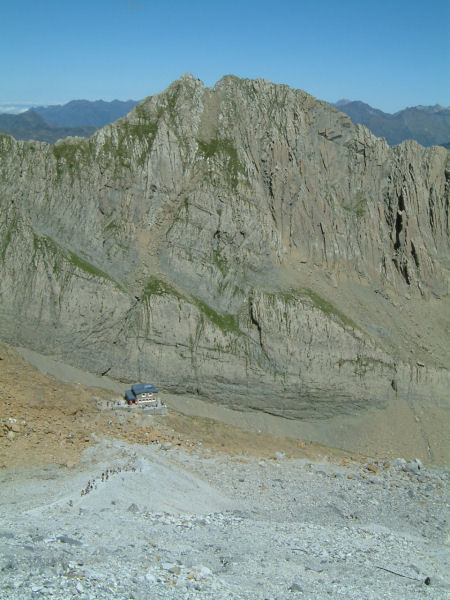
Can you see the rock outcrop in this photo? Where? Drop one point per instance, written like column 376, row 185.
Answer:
column 247, row 243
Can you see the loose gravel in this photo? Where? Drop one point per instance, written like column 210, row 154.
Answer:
column 159, row 522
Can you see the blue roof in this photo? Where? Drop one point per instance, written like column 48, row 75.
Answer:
column 141, row 388
column 129, row 395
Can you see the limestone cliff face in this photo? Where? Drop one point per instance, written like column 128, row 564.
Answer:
column 246, row 242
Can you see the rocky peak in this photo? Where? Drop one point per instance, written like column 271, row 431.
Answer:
column 231, row 240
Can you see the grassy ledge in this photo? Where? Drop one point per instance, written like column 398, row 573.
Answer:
column 224, row 321
column 45, row 243
column 226, row 149
column 323, row 305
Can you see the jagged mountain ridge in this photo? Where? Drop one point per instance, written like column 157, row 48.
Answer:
column 246, row 242
column 428, row 125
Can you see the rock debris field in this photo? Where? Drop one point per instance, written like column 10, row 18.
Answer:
column 98, row 504
column 160, row 521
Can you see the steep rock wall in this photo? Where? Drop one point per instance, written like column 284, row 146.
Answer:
column 246, row 242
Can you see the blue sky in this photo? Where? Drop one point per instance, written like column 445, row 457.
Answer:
column 390, row 54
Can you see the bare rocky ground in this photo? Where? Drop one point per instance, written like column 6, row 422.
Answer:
column 99, row 504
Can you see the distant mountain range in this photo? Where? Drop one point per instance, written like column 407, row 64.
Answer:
column 428, row 125
column 31, row 126
column 79, row 118
column 81, row 113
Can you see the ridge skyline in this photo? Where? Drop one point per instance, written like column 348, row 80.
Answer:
column 428, row 125
column 19, row 107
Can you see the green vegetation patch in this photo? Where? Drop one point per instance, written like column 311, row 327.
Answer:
column 221, row 262
column 142, row 129
column 87, row 267
column 46, row 244
column 11, row 226
column 327, row 307
column 158, row 287
column 120, row 149
column 225, row 149
column 359, row 206
column 224, row 321
column 72, row 156
column 172, row 98
column 113, row 226
column 65, row 154
column 324, row 305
